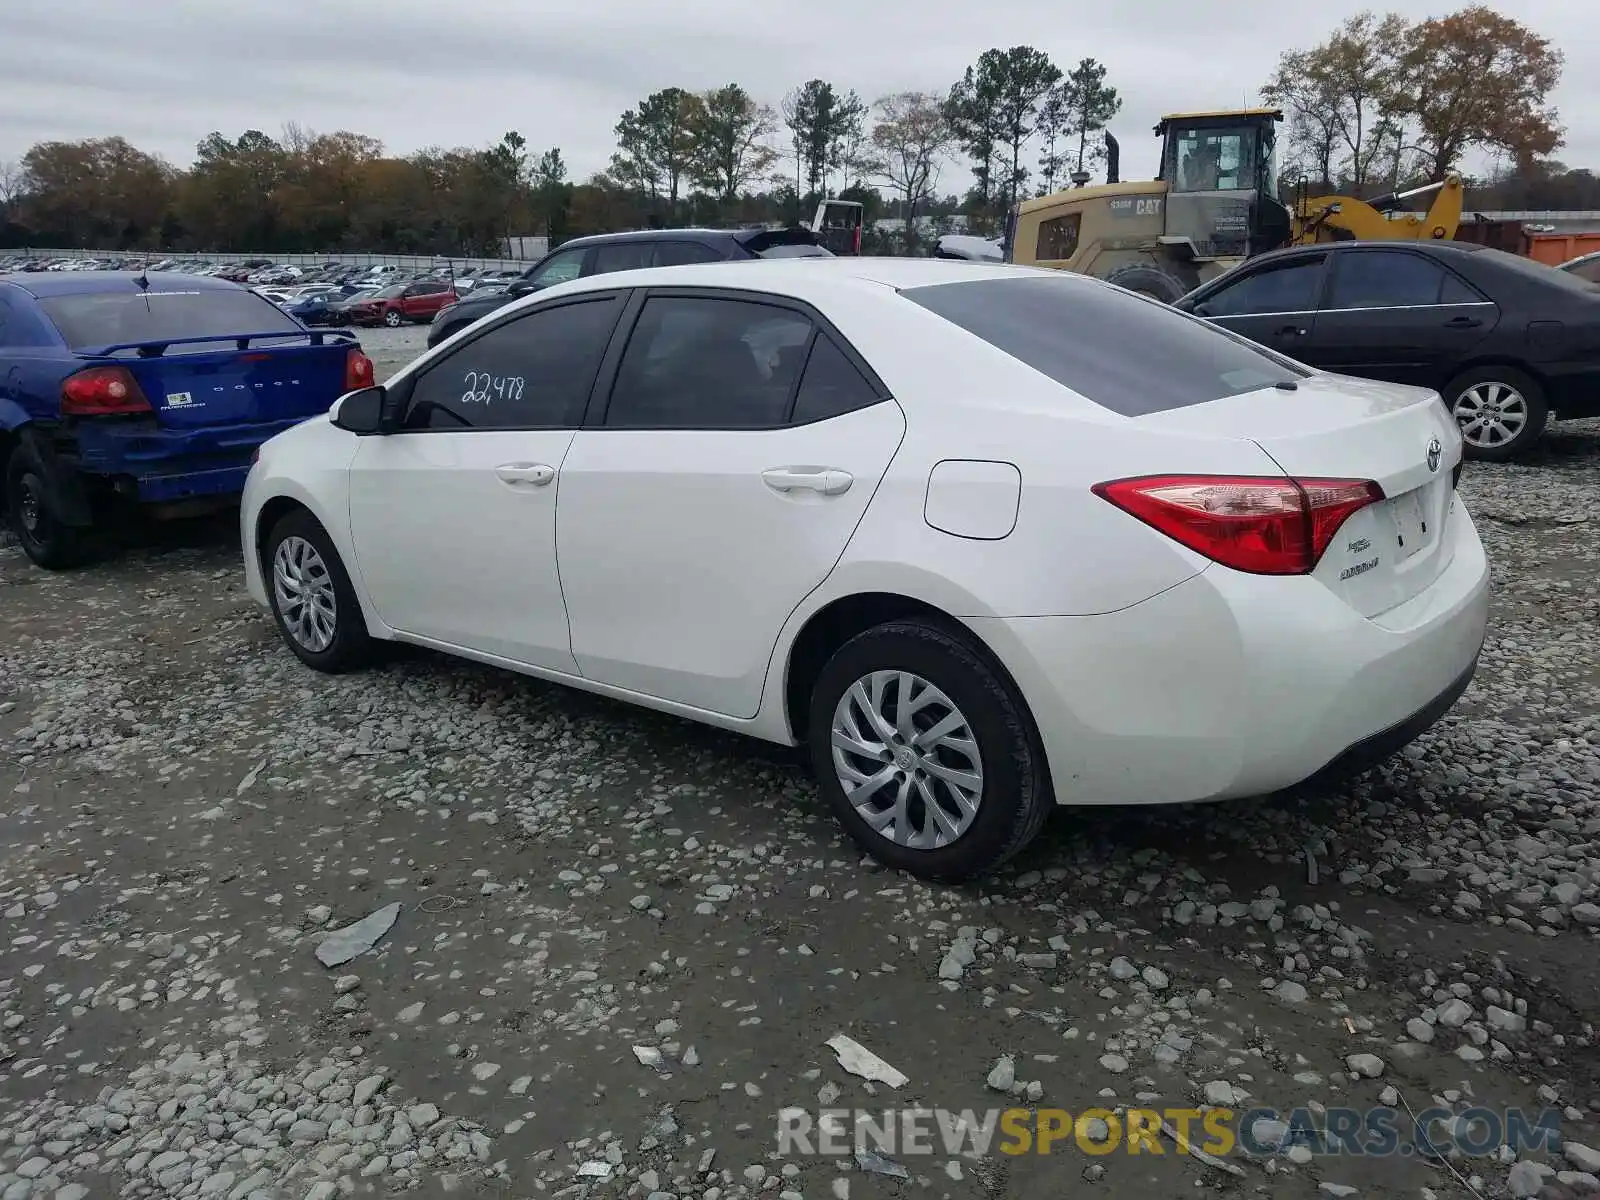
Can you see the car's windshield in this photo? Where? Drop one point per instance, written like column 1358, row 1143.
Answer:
column 1554, row 276
column 1131, row 355
column 115, row 318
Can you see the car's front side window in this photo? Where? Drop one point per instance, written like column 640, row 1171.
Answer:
column 709, row 363
column 533, row 372
column 1289, row 287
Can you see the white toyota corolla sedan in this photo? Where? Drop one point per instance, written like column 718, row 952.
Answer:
column 985, row 539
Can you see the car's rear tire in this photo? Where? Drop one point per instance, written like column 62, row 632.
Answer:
column 1500, row 410
column 46, row 539
column 394, row 318
column 982, row 766
column 312, row 600
column 1148, row 281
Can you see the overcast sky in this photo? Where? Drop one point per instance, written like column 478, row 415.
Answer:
column 416, row 73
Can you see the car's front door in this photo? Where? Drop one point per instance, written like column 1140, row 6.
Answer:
column 1397, row 315
column 738, row 450
column 454, row 516
column 1274, row 304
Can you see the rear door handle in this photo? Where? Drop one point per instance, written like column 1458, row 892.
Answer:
column 829, row 481
column 525, row 475
column 1289, row 331
column 1462, row 323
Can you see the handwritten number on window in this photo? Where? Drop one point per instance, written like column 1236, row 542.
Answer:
column 484, row 388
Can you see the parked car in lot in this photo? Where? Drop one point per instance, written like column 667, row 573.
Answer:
column 1508, row 342
column 1585, row 267
column 604, row 253
column 153, row 391
column 884, row 509
column 399, row 303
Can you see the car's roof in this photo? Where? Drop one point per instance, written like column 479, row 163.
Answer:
column 44, row 284
column 653, row 235
column 805, row 277
column 1425, row 246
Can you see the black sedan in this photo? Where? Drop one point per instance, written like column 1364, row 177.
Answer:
column 1506, row 341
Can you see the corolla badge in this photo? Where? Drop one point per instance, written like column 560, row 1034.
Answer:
column 1435, row 453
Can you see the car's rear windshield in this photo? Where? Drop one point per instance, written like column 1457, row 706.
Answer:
column 1128, row 354
column 91, row 319
column 1533, row 269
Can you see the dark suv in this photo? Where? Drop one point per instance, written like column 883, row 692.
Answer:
column 606, row 252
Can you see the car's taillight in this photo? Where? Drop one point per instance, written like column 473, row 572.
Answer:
column 357, row 371
column 1262, row 525
column 102, row 392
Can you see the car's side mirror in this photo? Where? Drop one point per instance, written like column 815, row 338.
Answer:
column 523, row 287
column 1199, row 310
column 361, row 412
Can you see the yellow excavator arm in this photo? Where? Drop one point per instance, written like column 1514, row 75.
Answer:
column 1343, row 218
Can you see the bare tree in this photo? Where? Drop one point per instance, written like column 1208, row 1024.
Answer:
column 912, row 138
column 12, row 179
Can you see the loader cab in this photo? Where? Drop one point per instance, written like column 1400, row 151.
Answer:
column 1221, row 172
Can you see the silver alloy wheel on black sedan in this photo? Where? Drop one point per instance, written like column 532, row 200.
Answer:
column 1491, row 414
column 304, row 591
column 1500, row 410
column 907, row 760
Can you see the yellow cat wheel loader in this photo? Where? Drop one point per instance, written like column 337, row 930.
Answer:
column 1213, row 204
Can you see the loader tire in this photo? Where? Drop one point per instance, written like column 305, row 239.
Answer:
column 1148, row 281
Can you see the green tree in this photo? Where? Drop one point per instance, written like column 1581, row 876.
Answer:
column 1087, row 105
column 995, row 110
column 729, row 133
column 656, row 144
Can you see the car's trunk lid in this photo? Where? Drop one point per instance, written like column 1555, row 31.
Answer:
column 232, row 387
column 1335, row 427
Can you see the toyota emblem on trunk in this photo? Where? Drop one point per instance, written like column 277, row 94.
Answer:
column 1435, row 452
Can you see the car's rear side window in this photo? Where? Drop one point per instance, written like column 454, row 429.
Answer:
column 114, row 318
column 1128, row 354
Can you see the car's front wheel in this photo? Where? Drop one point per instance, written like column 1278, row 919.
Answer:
column 394, row 318
column 1500, row 410
column 313, row 603
column 926, row 752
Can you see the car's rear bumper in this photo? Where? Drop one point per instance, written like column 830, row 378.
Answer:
column 1236, row 685
column 159, row 465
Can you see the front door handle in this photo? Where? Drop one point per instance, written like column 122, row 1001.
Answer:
column 525, row 475
column 829, row 481
column 1462, row 323
column 1289, row 331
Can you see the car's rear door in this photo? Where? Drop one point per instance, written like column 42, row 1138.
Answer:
column 1397, row 315
column 737, row 449
column 1274, row 303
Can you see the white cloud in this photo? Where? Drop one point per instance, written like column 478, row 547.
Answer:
column 164, row 73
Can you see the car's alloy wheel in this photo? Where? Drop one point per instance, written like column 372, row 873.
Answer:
column 313, row 602
column 392, row 319
column 1499, row 410
column 926, row 752
column 1491, row 414
column 906, row 759
column 304, row 591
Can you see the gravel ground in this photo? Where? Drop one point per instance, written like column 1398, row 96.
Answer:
column 623, row 940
